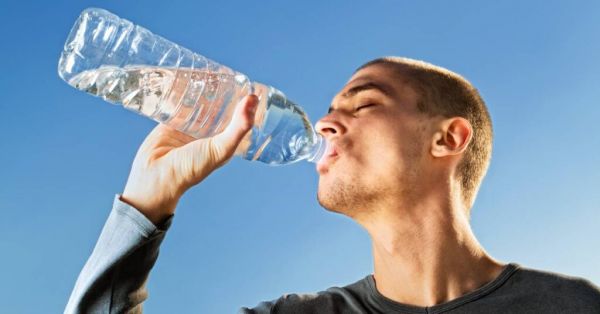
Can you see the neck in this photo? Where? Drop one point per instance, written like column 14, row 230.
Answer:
column 427, row 254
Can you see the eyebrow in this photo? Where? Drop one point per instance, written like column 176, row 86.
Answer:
column 384, row 89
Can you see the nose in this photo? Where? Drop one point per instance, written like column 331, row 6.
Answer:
column 328, row 126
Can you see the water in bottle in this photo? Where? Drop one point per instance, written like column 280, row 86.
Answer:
column 125, row 64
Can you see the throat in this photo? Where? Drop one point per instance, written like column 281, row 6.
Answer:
column 426, row 262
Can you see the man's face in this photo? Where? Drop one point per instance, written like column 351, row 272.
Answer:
column 378, row 140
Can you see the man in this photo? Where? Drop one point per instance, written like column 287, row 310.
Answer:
column 409, row 144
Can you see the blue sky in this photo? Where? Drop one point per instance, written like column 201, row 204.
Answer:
column 252, row 232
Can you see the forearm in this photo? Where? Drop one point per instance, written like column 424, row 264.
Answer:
column 113, row 279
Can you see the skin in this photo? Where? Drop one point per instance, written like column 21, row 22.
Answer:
column 394, row 172
column 390, row 168
column 169, row 162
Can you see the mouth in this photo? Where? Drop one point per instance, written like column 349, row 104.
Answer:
column 330, row 155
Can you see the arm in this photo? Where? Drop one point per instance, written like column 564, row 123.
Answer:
column 166, row 165
column 113, row 279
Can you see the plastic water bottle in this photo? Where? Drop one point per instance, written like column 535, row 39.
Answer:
column 123, row 63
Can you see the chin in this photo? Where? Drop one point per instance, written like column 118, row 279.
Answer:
column 324, row 196
column 336, row 196
column 350, row 194
column 327, row 203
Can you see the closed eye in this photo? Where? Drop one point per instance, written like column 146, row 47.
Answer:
column 364, row 106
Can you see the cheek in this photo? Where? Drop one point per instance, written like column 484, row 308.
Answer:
column 392, row 151
column 379, row 154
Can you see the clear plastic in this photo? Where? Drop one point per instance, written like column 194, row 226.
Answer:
column 126, row 64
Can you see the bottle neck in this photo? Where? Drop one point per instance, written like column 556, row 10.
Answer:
column 318, row 150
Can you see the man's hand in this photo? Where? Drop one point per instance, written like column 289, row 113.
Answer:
column 169, row 162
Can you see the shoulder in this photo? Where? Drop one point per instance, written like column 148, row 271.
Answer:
column 332, row 300
column 323, row 301
column 550, row 281
column 556, row 288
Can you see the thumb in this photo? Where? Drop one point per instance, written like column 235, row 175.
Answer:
column 226, row 142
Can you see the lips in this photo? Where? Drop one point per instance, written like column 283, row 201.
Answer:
column 330, row 154
column 331, row 150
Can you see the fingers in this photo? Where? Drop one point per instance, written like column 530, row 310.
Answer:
column 226, row 141
column 169, row 162
column 165, row 136
column 165, row 130
column 242, row 121
column 196, row 160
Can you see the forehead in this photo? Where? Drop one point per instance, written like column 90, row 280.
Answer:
column 394, row 84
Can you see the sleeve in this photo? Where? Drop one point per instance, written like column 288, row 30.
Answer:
column 113, row 278
column 293, row 303
column 265, row 307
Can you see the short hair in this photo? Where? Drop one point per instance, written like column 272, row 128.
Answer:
column 443, row 92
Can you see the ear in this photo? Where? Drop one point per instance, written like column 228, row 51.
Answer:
column 452, row 138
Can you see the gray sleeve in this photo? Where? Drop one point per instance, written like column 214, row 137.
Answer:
column 261, row 308
column 113, row 278
column 294, row 303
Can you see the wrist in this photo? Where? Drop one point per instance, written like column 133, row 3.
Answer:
column 157, row 214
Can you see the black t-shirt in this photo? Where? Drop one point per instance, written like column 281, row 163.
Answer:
column 515, row 290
